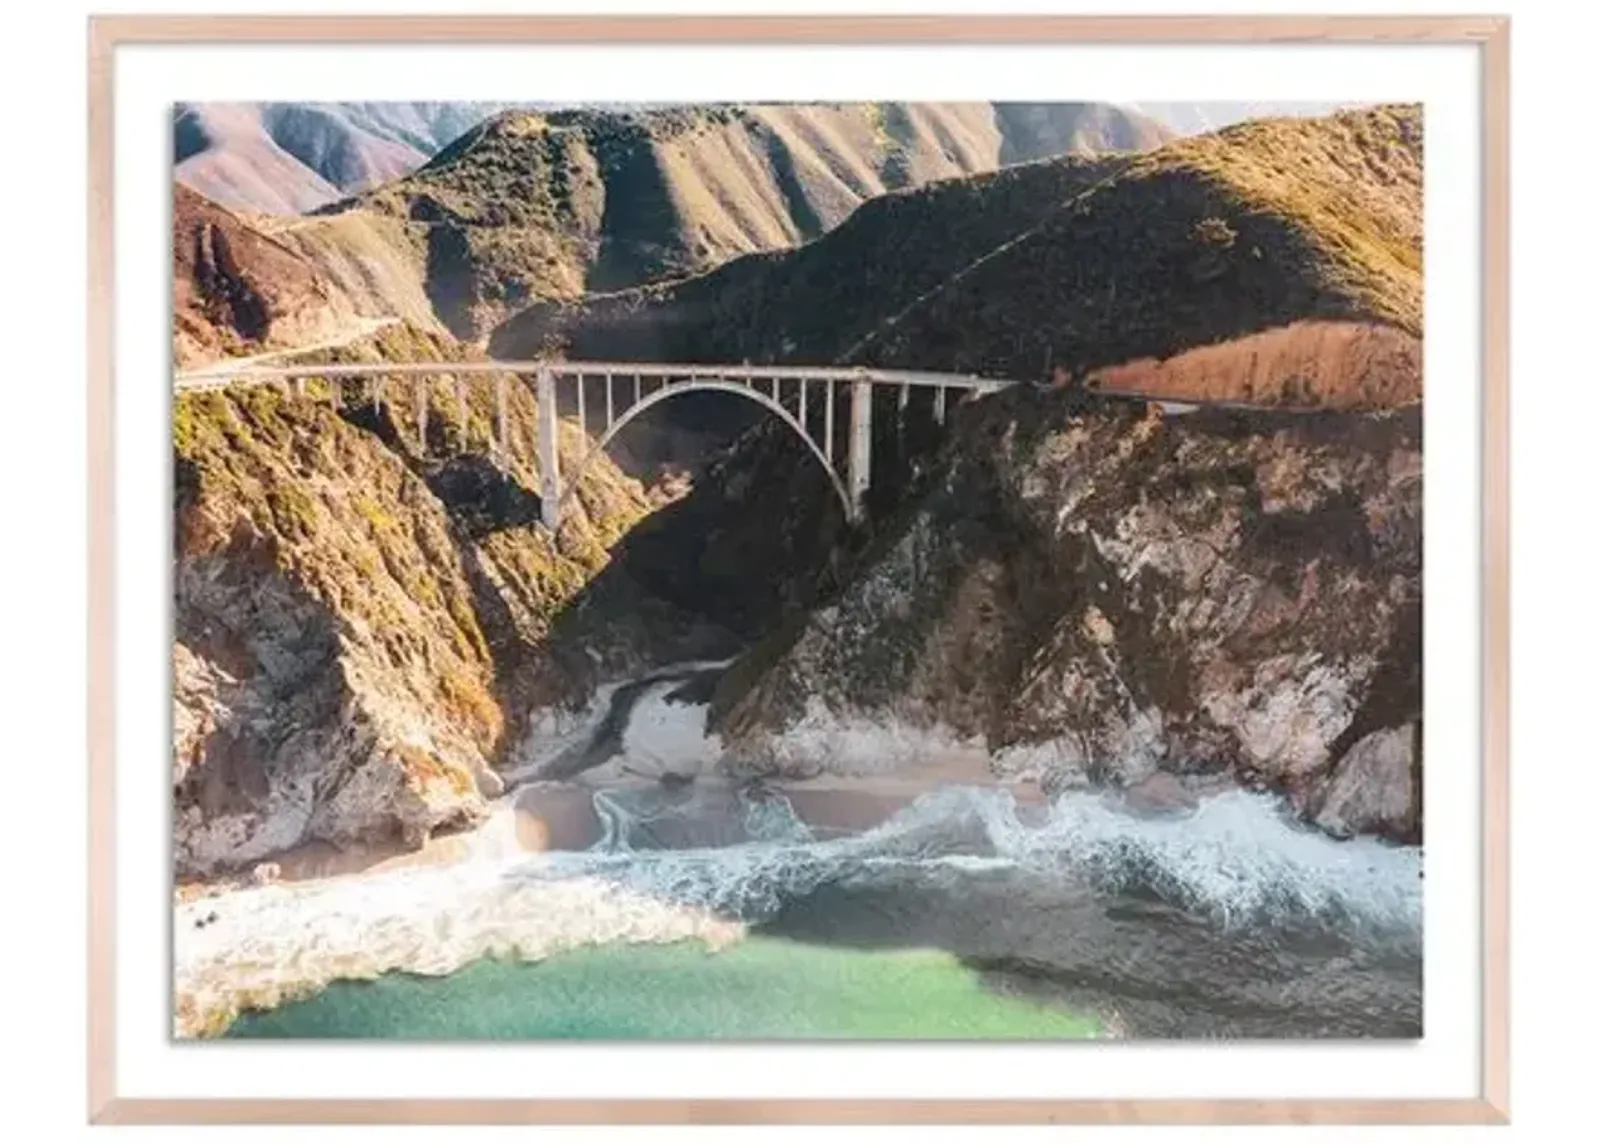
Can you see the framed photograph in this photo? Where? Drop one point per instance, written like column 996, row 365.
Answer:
column 798, row 570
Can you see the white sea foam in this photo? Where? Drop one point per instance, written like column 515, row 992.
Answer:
column 1236, row 858
column 279, row 941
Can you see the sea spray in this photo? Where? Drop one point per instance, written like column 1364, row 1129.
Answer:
column 1235, row 860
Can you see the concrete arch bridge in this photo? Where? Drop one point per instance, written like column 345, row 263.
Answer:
column 829, row 408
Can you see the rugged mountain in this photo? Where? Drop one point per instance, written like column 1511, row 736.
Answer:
column 224, row 152
column 814, row 303
column 287, row 158
column 361, row 624
column 1208, row 239
column 1030, row 131
column 1301, row 235
column 1098, row 593
column 236, row 290
column 248, row 155
column 533, row 205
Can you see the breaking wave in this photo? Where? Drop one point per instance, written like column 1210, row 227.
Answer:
column 708, row 861
column 1236, row 858
column 256, row 948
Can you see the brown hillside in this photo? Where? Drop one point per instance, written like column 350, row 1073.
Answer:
column 236, row 290
column 1328, row 364
column 811, row 304
column 288, row 158
column 533, row 206
column 1199, row 242
column 1076, row 266
column 377, row 261
column 224, row 152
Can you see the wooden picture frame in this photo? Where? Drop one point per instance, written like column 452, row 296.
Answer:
column 1490, row 35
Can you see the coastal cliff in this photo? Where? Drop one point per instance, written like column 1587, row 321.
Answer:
column 1099, row 592
column 361, row 623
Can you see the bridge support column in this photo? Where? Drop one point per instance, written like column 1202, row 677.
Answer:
column 549, row 460
column 860, row 455
column 502, row 423
column 421, row 397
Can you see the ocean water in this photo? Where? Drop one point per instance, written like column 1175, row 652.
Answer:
column 715, row 911
column 760, row 988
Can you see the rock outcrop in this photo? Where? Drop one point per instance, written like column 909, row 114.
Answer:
column 359, row 622
column 1100, row 593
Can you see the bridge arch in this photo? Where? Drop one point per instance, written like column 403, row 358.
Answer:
column 670, row 390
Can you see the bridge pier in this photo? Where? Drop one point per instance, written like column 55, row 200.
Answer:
column 859, row 458
column 420, row 396
column 827, row 422
column 549, row 459
column 502, row 422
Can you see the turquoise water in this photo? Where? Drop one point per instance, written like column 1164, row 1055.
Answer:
column 760, row 988
column 1230, row 921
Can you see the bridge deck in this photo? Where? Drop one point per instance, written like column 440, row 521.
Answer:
column 222, row 376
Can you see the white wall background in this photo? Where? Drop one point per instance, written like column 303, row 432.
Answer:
column 1554, row 408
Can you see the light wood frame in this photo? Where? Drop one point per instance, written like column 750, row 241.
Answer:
column 1489, row 33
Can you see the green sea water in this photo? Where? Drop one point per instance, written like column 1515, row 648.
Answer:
column 759, row 988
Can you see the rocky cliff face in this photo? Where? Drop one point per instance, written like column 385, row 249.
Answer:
column 361, row 622
column 1100, row 592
